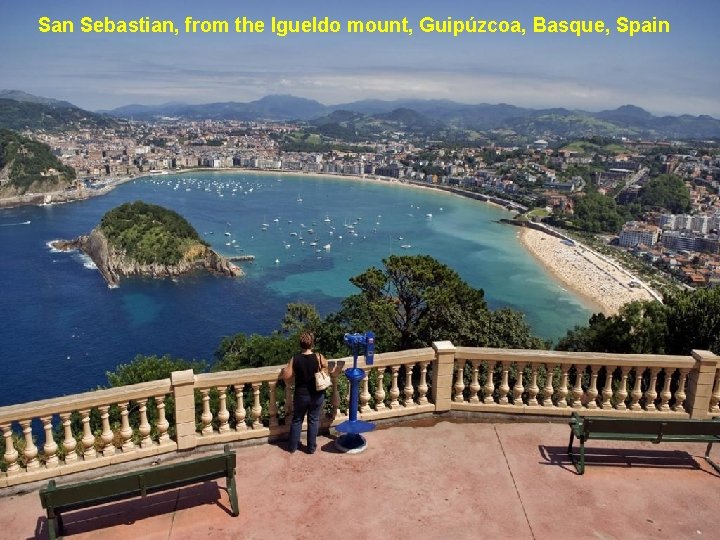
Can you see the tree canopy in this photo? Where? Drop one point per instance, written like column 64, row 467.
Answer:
column 149, row 233
column 686, row 320
column 665, row 192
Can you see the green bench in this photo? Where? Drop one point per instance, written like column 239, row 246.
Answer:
column 630, row 429
column 57, row 499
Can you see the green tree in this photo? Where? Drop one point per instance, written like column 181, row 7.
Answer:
column 693, row 321
column 666, row 192
column 150, row 368
column 597, row 213
column 416, row 300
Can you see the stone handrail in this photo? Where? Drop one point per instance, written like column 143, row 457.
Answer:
column 212, row 408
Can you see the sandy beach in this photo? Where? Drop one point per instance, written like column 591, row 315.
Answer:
column 604, row 285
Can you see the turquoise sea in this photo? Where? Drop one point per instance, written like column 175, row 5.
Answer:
column 63, row 328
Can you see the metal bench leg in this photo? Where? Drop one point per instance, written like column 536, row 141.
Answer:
column 579, row 464
column 53, row 524
column 710, row 461
column 232, row 491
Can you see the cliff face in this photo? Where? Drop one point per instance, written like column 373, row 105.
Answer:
column 114, row 264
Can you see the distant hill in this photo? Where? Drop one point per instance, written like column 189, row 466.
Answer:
column 29, row 166
column 273, row 108
column 19, row 110
column 423, row 116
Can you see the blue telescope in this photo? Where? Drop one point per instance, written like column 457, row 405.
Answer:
column 351, row 440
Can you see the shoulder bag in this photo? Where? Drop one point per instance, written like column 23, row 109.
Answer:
column 322, row 377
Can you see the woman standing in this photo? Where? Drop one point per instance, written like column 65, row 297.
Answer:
column 307, row 399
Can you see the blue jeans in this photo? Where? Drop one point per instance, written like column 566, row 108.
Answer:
column 311, row 404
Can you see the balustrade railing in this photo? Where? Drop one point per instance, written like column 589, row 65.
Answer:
column 85, row 431
column 60, row 436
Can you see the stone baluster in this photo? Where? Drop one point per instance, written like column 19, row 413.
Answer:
column 607, row 392
column 504, row 385
column 637, row 393
column 107, row 435
column 240, row 412
column 409, row 390
column 475, row 383
column 380, row 390
column 423, row 386
column 11, row 454
column 622, row 391
column 335, row 397
column 272, row 405
column 289, row 397
column 533, row 389
column 548, row 390
column 592, row 392
column 680, row 392
column 162, row 423
column 256, row 411
column 50, row 447
column 577, row 391
column 69, row 443
column 459, row 381
column 31, row 451
column 144, row 428
column 394, row 388
column 364, row 396
column 563, row 390
column 125, row 429
column 715, row 397
column 206, row 417
column 651, row 393
column 518, row 389
column 223, row 414
column 665, row 395
column 88, row 440
column 489, row 388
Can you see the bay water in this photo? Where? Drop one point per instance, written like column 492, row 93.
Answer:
column 63, row 328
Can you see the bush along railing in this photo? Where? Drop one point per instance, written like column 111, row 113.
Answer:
column 60, row 436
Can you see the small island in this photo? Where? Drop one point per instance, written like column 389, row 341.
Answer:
column 140, row 239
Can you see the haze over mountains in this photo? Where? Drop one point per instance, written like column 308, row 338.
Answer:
column 413, row 115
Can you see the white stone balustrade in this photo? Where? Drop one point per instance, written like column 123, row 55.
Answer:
column 59, row 436
column 68, row 444
column 631, row 384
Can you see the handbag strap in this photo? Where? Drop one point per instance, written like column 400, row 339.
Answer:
column 319, row 362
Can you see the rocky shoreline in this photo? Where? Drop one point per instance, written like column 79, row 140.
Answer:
column 114, row 264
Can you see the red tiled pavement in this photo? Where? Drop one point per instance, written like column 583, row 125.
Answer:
column 450, row 480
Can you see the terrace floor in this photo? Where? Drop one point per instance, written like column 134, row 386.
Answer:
column 447, row 480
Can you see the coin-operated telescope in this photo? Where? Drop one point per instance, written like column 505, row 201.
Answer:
column 351, row 441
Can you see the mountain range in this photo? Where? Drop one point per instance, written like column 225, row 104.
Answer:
column 422, row 117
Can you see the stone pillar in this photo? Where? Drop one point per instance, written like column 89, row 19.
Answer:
column 700, row 384
column 183, row 387
column 442, row 378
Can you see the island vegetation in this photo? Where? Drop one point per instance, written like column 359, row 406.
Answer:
column 144, row 239
column 151, row 234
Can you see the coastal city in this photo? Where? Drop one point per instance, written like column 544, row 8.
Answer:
column 544, row 180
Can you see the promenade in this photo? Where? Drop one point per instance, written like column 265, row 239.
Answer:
column 434, row 480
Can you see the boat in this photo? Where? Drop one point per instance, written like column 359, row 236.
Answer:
column 313, row 243
column 327, row 219
column 406, row 246
column 327, row 247
column 293, row 234
column 228, row 234
column 429, row 216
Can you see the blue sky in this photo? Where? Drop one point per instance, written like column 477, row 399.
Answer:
column 664, row 73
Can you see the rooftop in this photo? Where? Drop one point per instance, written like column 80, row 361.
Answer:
column 440, row 478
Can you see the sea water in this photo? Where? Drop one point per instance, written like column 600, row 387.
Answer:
column 63, row 328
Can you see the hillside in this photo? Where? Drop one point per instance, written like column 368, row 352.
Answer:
column 27, row 165
column 147, row 240
column 20, row 111
column 430, row 117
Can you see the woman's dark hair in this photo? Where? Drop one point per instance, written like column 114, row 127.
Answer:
column 306, row 340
